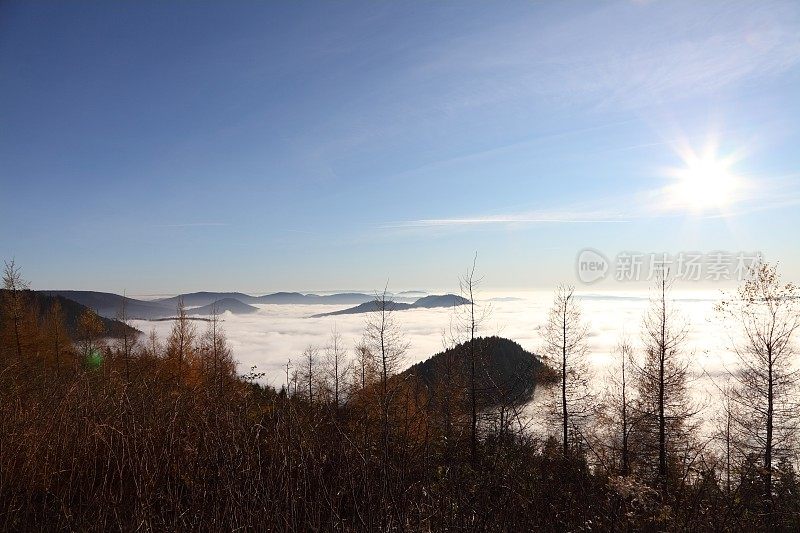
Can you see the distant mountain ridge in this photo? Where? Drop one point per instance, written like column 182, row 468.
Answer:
column 109, row 305
column 426, row 302
column 196, row 299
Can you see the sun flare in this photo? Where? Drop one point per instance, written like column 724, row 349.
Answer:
column 705, row 183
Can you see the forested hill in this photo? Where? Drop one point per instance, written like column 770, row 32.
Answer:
column 71, row 310
column 109, row 305
column 505, row 372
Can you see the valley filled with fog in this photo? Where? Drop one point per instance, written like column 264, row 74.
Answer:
column 275, row 333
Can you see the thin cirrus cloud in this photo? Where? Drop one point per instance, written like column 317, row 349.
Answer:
column 661, row 202
column 193, row 225
column 508, row 219
column 614, row 58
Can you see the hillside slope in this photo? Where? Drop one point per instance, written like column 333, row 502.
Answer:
column 505, row 372
column 71, row 310
column 109, row 305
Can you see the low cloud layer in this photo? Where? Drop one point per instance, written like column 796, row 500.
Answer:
column 277, row 333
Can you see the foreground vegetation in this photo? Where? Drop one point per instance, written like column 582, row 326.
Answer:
column 130, row 434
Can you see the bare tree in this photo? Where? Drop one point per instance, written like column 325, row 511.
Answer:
column 181, row 338
column 217, row 353
column 725, row 434
column 286, row 369
column 470, row 322
column 618, row 407
column 14, row 301
column 127, row 341
column 336, row 367
column 153, row 348
column 564, row 335
column 766, row 314
column 663, row 407
column 57, row 335
column 451, row 389
column 310, row 362
column 385, row 340
column 365, row 367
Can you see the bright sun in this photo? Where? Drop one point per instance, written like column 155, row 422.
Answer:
column 705, row 183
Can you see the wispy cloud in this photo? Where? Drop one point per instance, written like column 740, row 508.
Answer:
column 508, row 219
column 192, row 225
column 623, row 55
column 778, row 193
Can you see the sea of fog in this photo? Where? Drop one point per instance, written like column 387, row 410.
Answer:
column 275, row 334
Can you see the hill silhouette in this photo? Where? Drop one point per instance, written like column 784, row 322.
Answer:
column 71, row 310
column 109, row 305
column 426, row 302
column 231, row 305
column 505, row 372
column 199, row 299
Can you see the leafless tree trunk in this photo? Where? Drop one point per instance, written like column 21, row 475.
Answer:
column 153, row 344
column 620, row 403
column 214, row 342
column 564, row 335
column 386, row 340
column 663, row 375
column 336, row 367
column 765, row 392
column 127, row 341
column 310, row 359
column 181, row 338
column 469, row 319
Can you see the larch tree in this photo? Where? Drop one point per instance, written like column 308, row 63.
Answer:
column 469, row 319
column 128, row 338
column 309, row 372
column 56, row 332
column 218, row 361
column 663, row 408
column 364, row 373
column 364, row 368
column 14, row 302
column 564, row 335
column 618, row 408
column 180, row 342
column 153, row 347
column 765, row 313
column 337, row 368
column 90, row 333
column 385, row 339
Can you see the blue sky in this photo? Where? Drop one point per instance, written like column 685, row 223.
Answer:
column 160, row 147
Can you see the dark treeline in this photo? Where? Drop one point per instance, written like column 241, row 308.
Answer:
column 129, row 433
